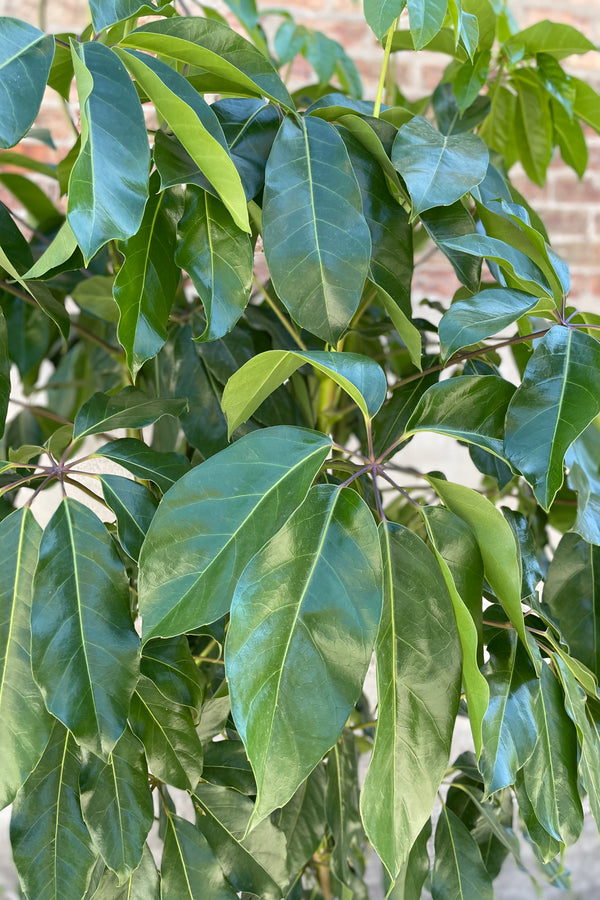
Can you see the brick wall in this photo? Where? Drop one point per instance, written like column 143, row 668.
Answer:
column 570, row 208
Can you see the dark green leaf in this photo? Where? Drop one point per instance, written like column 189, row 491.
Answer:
column 583, row 461
column 303, row 821
column 426, row 17
column 134, row 506
column 250, row 127
column 323, row 566
column 545, row 846
column 84, row 649
column 13, row 243
column 170, row 665
column 61, row 249
column 481, row 316
column 458, row 871
column 107, row 12
column 447, row 222
column 226, row 764
column 164, row 469
column 95, row 296
column 418, row 688
column 25, row 59
column 410, row 881
column 516, row 265
column 130, row 408
column 391, row 421
column 142, row 885
column 320, row 260
column 4, row 372
column 237, row 500
column 342, row 804
column 189, row 868
column 108, row 187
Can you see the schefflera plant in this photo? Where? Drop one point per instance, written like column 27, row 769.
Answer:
column 265, row 542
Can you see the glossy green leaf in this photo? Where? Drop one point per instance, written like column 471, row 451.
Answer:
column 108, row 12
column 458, row 871
column 560, row 393
column 418, row 687
column 141, row 885
column 302, row 820
column 250, row 127
column 164, row 469
column 25, row 59
column 146, row 283
column 471, row 408
column 381, row 14
column 426, row 17
column 218, row 257
column 117, row 804
column 361, row 377
column 61, row 248
column 342, row 805
column 134, row 506
column 255, row 863
column 545, row 846
column 556, row 38
column 320, row 259
column 410, row 881
column 532, row 125
column 237, row 500
column 170, row 665
column 458, row 557
column 226, row 764
column 322, row 566
column 438, row 169
column 47, row 828
column 447, row 222
column 583, row 462
column 130, row 408
column 26, row 723
column 478, row 317
column 509, row 726
column 525, row 274
column 408, row 333
column 189, row 868
column 194, row 124
column 166, row 730
column 108, row 187
column 550, row 773
column 214, row 47
column 84, row 649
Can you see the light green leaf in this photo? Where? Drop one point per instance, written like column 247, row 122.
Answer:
column 108, row 12
column 478, row 317
column 458, row 871
column 418, row 687
column 84, row 649
column 134, row 506
column 281, row 614
column 361, row 377
column 25, row 59
column 319, row 261
column 108, row 186
column 170, row 665
column 62, row 248
column 438, row 168
column 26, row 723
column 470, row 408
column 130, row 408
column 146, row 283
column 141, row 885
column 556, row 38
column 189, row 868
column 586, row 105
column 557, row 399
column 408, row 333
column 381, row 14
column 117, row 804
column 237, row 500
column 525, row 274
column 532, row 125
column 218, row 257
column 426, row 17
column 164, row 469
column 47, row 827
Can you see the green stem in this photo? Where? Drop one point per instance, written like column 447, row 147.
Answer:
column 384, row 68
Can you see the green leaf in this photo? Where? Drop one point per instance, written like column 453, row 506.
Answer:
column 361, row 377
column 478, row 317
column 108, row 187
column 532, row 125
column 303, row 821
column 572, row 597
column 226, row 764
column 497, row 546
column 426, row 18
column 320, row 260
column 390, row 422
column 26, row 723
column 586, row 105
column 458, row 557
column 515, row 264
column 545, row 846
column 583, row 461
column 95, row 296
column 250, row 127
column 237, row 500
column 560, row 393
column 25, row 59
column 108, row 12
column 410, row 881
column 342, row 805
column 470, row 408
column 166, row 730
column 146, row 283
column 408, row 333
column 458, row 871
column 381, row 14
column 4, row 372
column 279, row 616
column 216, row 48
column 170, row 665
column 218, row 257
column 447, row 222
column 47, row 827
column 569, row 136
column 438, row 169
column 418, row 687
column 509, row 726
column 130, row 408
column 550, row 773
column 61, row 249
column 117, row 804
column 255, row 863
column 84, row 649
column 555, row 38
column 189, row 868
column 141, row 885
column 134, row 506
column 164, row 469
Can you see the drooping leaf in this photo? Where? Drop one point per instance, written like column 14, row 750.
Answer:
column 226, row 764
column 447, row 222
column 342, row 805
column 583, row 461
column 117, row 804
column 26, row 724
column 560, row 393
column 189, row 868
column 47, row 827
column 61, row 249
column 418, row 687
column 458, row 871
column 302, row 820
column 481, row 316
column 164, row 469
column 4, row 372
column 143, row 884
column 407, row 331
column 170, row 665
column 130, row 408
column 532, row 125
column 218, row 257
column 25, row 59
column 237, row 499
column 108, row 187
column 426, row 17
column 108, row 12
column 410, row 881
column 438, row 169
column 361, row 377
column 250, row 127
column 134, row 506
column 545, row 846
column 520, row 271
column 84, row 649
column 320, row 260
column 281, row 617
